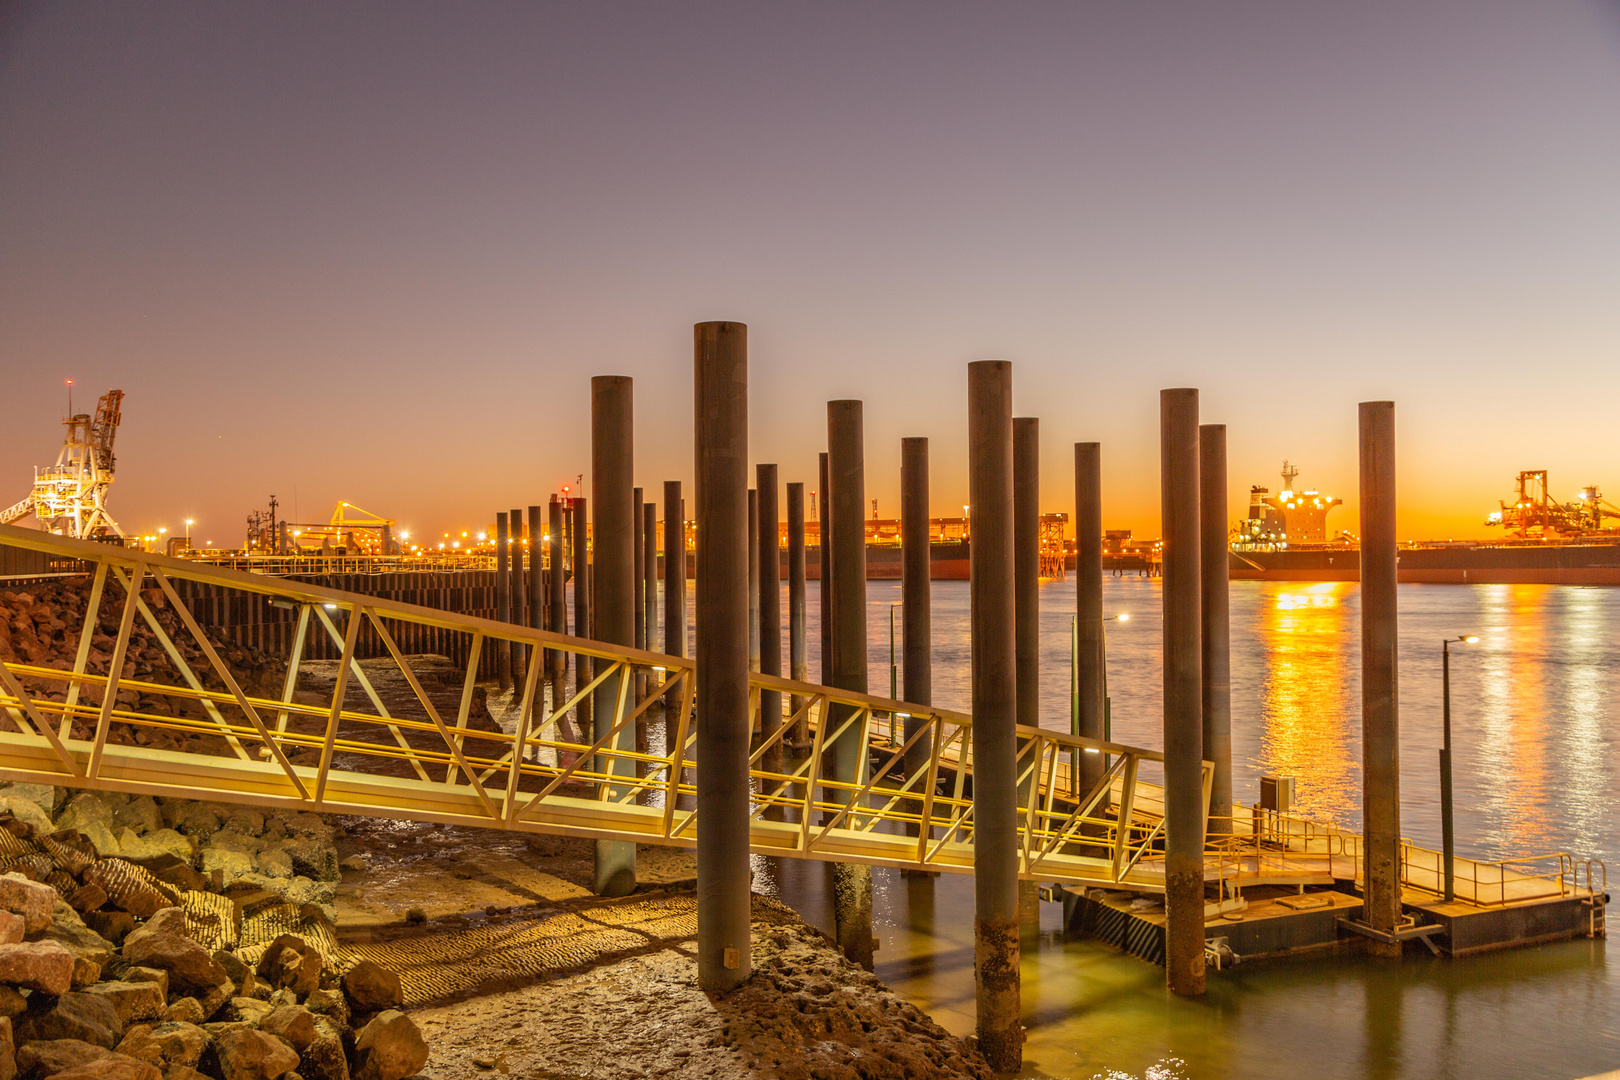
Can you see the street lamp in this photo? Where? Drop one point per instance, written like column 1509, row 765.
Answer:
column 189, row 524
column 1447, row 832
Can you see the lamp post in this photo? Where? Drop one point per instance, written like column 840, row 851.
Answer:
column 1447, row 831
column 189, row 524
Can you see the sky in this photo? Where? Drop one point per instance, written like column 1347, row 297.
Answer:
column 375, row 252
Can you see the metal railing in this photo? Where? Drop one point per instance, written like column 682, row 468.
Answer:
column 88, row 725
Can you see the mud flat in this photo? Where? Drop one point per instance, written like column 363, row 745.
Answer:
column 510, row 966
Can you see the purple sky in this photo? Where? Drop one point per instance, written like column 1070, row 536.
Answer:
column 375, row 252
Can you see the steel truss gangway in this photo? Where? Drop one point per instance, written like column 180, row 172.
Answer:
column 539, row 774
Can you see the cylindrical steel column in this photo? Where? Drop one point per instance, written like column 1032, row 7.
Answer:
column 582, row 602
column 1183, row 693
column 649, row 573
column 519, row 592
column 753, row 580
column 1380, row 713
column 916, row 602
column 637, row 562
column 1026, row 433
column 613, row 528
column 503, row 597
column 1088, row 610
column 556, row 582
column 674, row 569
column 537, row 577
column 724, row 875
column 798, row 653
column 1214, row 578
column 846, row 477
column 996, row 952
column 824, row 596
column 767, row 559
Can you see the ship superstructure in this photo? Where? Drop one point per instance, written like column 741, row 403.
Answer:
column 1289, row 517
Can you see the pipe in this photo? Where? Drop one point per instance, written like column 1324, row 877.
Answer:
column 1183, row 693
column 996, row 950
column 721, row 435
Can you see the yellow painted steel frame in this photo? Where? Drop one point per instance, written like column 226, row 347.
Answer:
column 533, row 777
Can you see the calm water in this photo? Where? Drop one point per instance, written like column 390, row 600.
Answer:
column 1533, row 708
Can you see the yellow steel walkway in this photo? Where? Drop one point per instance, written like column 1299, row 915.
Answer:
column 431, row 765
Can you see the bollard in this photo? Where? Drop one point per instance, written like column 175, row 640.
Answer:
column 996, row 951
column 721, row 435
column 847, row 756
column 1214, row 581
column 768, row 563
column 1380, row 706
column 1183, row 693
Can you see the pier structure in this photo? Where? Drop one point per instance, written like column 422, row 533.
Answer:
column 674, row 578
column 1026, row 436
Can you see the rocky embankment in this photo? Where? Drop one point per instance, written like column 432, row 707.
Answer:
column 196, row 952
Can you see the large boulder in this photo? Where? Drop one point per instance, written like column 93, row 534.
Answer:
column 291, row 962
column 84, row 810
column 230, row 865
column 324, row 1058
column 139, row 815
column 246, row 1054
column 47, row 1057
column 293, row 1024
column 165, row 1045
column 30, row 899
column 112, row 1067
column 312, row 857
column 27, row 811
column 153, row 845
column 370, row 988
column 11, row 927
column 8, row 1050
column 389, row 1048
column 133, row 1000
column 91, row 952
column 44, row 796
column 86, row 1017
column 188, row 963
column 37, row 965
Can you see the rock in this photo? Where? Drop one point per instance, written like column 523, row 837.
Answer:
column 329, row 1003
column 130, row 887
column 85, row 809
column 247, row 1010
column 281, row 998
column 242, row 819
column 245, row 1054
column 215, row 997
column 37, row 965
column 27, row 811
column 166, row 920
column 291, row 962
column 11, row 1002
column 112, row 1067
column 293, row 1024
column 112, row 925
column 165, row 1045
column 370, row 987
column 188, row 963
column 303, row 890
column 86, row 1017
column 230, row 864
column 354, row 862
column 47, row 1057
column 324, row 1059
column 273, row 862
column 133, row 1000
column 148, row 975
column 139, row 815
column 87, row 898
column 186, row 1010
column 154, row 845
column 312, row 857
column 390, row 1048
column 231, row 840
column 310, row 825
column 11, row 928
column 195, row 820
column 238, row 972
column 8, row 1050
column 44, row 796
column 90, row 950
column 30, row 899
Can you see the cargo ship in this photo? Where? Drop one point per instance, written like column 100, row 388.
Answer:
column 1547, row 542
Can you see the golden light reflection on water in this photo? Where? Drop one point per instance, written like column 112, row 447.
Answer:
column 1508, row 783
column 1306, row 631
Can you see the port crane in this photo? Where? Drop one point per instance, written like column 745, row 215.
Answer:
column 1535, row 513
column 70, row 497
